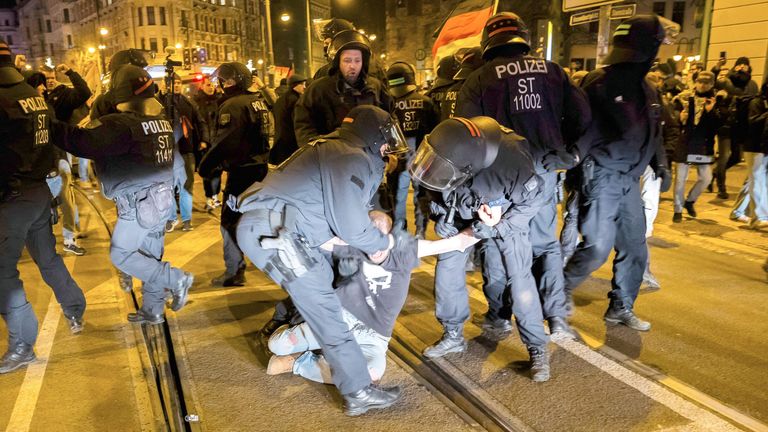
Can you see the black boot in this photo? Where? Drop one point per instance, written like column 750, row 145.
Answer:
column 228, row 280
column 17, row 356
column 142, row 317
column 75, row 323
column 451, row 342
column 617, row 315
column 271, row 326
column 181, row 293
column 539, row 363
column 371, row 397
column 689, row 208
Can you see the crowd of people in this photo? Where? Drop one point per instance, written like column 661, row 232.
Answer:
column 318, row 177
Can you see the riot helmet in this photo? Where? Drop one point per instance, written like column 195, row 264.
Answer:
column 472, row 60
column 9, row 75
column 349, row 39
column 401, row 77
column 505, row 29
column 456, row 150
column 637, row 40
column 129, row 56
column 133, row 90
column 237, row 72
column 446, row 69
column 374, row 127
column 328, row 28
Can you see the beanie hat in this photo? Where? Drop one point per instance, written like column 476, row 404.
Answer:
column 742, row 61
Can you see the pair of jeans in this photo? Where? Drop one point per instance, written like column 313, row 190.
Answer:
column 300, row 339
column 184, row 187
column 753, row 197
column 704, row 172
column 82, row 169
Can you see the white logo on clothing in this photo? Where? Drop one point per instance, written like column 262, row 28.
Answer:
column 377, row 278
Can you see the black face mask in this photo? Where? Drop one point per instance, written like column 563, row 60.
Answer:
column 708, row 93
column 740, row 78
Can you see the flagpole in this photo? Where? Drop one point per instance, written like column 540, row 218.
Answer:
column 495, row 7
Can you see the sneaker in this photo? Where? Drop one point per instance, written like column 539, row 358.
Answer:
column 650, row 282
column 451, row 342
column 216, row 202
column 626, row 317
column 560, row 330
column 125, row 280
column 371, row 397
column 497, row 325
column 539, row 364
column 689, row 208
column 181, row 292
column 677, row 217
column 723, row 195
column 280, row 364
column 759, row 224
column 209, row 204
column 76, row 324
column 73, row 248
column 170, row 225
column 742, row 218
column 20, row 355
column 186, row 226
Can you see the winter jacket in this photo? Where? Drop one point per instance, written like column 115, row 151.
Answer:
column 697, row 140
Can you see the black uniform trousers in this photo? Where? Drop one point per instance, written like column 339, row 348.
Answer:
column 317, row 301
column 25, row 220
column 611, row 216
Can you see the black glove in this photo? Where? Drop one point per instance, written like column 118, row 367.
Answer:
column 445, row 230
column 666, row 177
column 559, row 160
column 55, row 211
column 347, row 266
column 483, row 231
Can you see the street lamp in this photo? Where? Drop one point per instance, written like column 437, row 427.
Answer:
column 285, row 17
column 372, row 37
column 91, row 50
column 178, row 45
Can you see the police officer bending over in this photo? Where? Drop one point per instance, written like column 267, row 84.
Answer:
column 323, row 191
column 535, row 98
column 241, row 148
column 133, row 153
column 623, row 138
column 26, row 158
column 485, row 173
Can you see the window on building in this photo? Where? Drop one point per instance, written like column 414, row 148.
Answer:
column 206, row 23
column 48, row 28
column 150, row 15
column 678, row 13
column 10, row 40
column 659, row 7
column 215, row 25
column 69, row 41
column 162, row 15
column 7, row 23
column 29, row 35
column 594, row 26
column 66, row 16
column 224, row 25
column 40, row 27
column 165, row 42
column 143, row 44
column 50, row 46
column 197, row 22
column 153, row 44
column 141, row 17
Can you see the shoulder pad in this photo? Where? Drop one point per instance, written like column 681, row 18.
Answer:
column 93, row 124
column 316, row 142
column 506, row 130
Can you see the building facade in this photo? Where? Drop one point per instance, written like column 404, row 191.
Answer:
column 10, row 30
column 739, row 28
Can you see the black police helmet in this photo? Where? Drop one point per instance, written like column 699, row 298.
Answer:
column 472, row 60
column 637, row 39
column 235, row 71
column 8, row 73
column 446, row 69
column 129, row 56
column 401, row 77
column 349, row 39
column 333, row 26
column 505, row 28
column 131, row 82
column 374, row 127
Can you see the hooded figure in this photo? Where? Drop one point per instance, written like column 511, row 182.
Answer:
column 326, row 101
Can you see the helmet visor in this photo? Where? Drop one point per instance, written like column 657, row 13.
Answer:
column 396, row 142
column 434, row 171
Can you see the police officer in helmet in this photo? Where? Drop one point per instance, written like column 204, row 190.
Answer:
column 488, row 182
column 327, row 100
column 103, row 104
column 417, row 116
column 132, row 150
column 446, row 69
column 26, row 159
column 535, row 98
column 241, row 148
column 325, row 30
column 323, row 191
column 471, row 60
column 622, row 140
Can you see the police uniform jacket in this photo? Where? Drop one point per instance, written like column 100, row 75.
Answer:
column 532, row 96
column 207, row 106
column 417, row 116
column 26, row 151
column 625, row 132
column 130, row 151
column 326, row 102
column 451, row 95
column 437, row 94
column 330, row 183
column 241, row 143
column 285, row 136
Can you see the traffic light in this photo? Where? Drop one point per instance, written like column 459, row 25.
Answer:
column 202, row 55
column 187, row 55
column 195, row 55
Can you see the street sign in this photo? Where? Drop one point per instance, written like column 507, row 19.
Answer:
column 623, row 11
column 585, row 17
column 572, row 5
column 420, row 54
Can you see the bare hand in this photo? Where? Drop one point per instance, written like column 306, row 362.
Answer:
column 489, row 215
column 203, row 145
column 62, row 68
column 20, row 61
column 721, row 61
column 709, row 104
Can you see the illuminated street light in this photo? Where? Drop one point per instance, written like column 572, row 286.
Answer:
column 178, row 45
column 285, row 17
column 677, row 57
column 102, row 47
column 372, row 37
column 382, row 56
column 103, row 31
column 91, row 50
column 28, row 67
column 697, row 57
column 260, row 62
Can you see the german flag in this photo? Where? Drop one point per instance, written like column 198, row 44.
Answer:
column 463, row 27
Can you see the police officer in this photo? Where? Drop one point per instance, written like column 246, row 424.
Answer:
column 326, row 31
column 103, row 104
column 470, row 61
column 445, row 71
column 241, row 148
column 26, row 159
column 504, row 186
column 417, row 116
column 132, row 150
column 323, row 191
column 285, row 136
column 327, row 100
column 535, row 98
column 623, row 138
